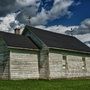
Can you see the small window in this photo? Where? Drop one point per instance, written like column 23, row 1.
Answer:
column 64, row 62
column 83, row 58
column 84, row 63
column 64, row 57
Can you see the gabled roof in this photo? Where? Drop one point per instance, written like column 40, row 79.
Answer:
column 55, row 40
column 18, row 41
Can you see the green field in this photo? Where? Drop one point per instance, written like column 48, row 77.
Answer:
column 82, row 84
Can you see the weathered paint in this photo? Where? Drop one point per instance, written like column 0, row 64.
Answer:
column 4, row 60
column 88, row 66
column 55, row 65
column 44, row 64
column 74, row 65
column 69, row 52
column 43, row 55
column 23, row 64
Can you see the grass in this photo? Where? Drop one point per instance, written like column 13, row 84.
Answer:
column 82, row 84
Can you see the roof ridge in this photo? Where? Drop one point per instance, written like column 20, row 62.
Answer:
column 49, row 31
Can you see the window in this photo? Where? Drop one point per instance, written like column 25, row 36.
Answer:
column 64, row 62
column 64, row 57
column 84, row 63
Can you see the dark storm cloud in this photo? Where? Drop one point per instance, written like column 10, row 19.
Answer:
column 6, row 6
column 26, row 8
column 51, row 9
column 25, row 13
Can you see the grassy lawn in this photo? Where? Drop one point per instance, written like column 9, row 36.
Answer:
column 82, row 84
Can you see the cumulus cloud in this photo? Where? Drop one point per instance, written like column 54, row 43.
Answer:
column 40, row 19
column 84, row 28
column 5, row 24
column 85, row 38
column 27, row 12
column 8, row 23
column 25, row 2
column 86, row 23
column 57, row 28
column 10, row 8
column 37, row 13
column 30, row 12
column 82, row 32
column 60, row 8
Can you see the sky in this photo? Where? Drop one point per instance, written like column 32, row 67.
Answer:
column 71, row 17
column 79, row 12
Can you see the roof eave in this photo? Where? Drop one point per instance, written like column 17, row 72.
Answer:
column 20, row 48
column 76, row 51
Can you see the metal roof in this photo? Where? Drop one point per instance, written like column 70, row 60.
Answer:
column 18, row 41
column 56, row 40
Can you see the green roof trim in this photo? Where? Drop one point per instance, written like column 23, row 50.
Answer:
column 69, row 52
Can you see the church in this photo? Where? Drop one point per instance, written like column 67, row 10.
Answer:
column 41, row 54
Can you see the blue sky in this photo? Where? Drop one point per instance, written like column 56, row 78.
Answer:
column 79, row 13
column 75, row 11
column 53, row 15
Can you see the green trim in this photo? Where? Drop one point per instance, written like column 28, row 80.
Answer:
column 68, row 52
column 43, row 54
column 4, row 58
column 38, row 42
column 23, row 50
column 19, row 48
